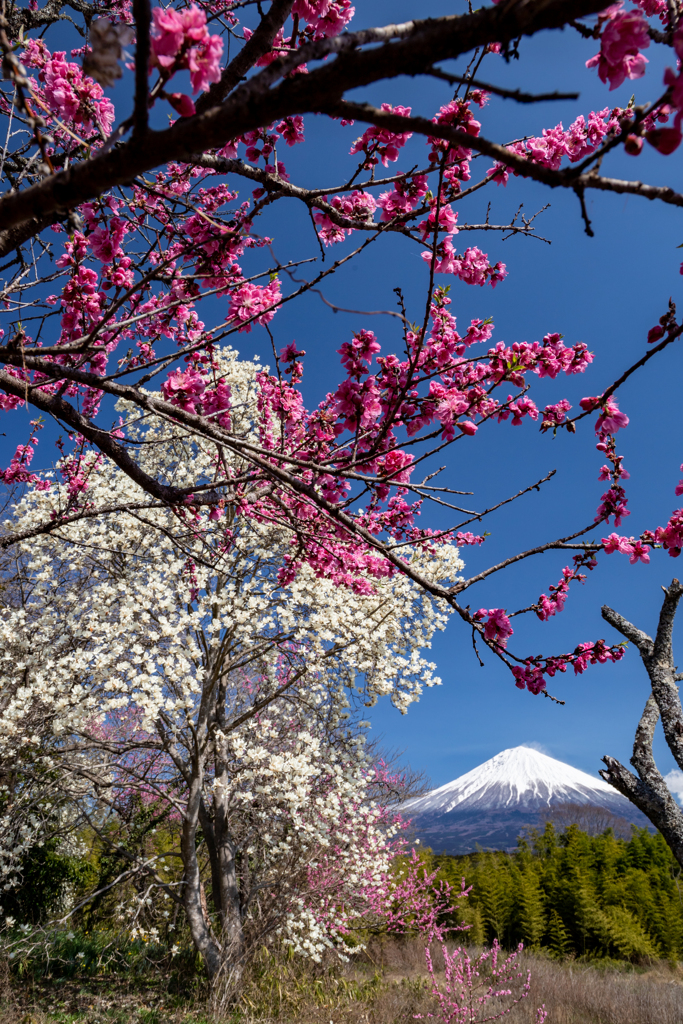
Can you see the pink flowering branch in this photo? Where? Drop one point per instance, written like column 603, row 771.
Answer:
column 420, row 46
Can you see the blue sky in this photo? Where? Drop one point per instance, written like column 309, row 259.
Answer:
column 607, row 291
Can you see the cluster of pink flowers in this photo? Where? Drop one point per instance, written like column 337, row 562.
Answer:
column 654, row 7
column 666, row 140
column 357, row 355
column 358, row 205
column 669, row 536
column 548, row 359
column 497, row 627
column 518, row 409
column 463, row 539
column 188, row 390
column 531, row 675
column 448, row 219
column 71, row 95
column 581, row 139
column 380, row 143
column 18, row 470
column 623, row 37
column 253, row 303
column 417, row 902
column 612, row 503
column 551, row 605
column 555, row 415
column 610, row 419
column 325, row 17
column 404, row 197
column 181, row 40
column 472, row 266
column 636, row 550
column 457, row 114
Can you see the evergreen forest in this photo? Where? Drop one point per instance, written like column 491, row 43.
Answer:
column 575, row 895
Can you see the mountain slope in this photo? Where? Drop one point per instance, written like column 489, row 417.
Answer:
column 489, row 805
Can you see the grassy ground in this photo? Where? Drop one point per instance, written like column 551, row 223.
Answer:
column 388, row 987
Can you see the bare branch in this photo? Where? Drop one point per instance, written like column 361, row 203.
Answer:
column 642, row 641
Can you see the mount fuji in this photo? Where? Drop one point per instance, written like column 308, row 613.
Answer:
column 489, row 806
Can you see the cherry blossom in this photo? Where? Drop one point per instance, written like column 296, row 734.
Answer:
column 181, row 39
column 623, row 37
column 378, row 144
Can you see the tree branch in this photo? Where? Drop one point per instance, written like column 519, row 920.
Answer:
column 642, row 641
column 255, row 104
column 568, row 177
column 259, row 44
column 143, row 17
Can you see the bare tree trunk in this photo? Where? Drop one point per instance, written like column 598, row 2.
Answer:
column 647, row 790
column 223, row 952
column 200, row 926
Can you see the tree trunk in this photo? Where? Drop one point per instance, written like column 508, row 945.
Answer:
column 648, row 790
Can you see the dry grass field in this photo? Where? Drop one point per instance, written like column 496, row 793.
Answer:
column 388, row 986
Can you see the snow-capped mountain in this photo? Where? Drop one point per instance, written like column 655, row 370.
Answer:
column 490, row 805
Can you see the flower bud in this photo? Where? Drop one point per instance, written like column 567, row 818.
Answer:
column 633, row 145
column 181, row 103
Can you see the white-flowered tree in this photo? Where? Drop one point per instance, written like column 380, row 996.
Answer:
column 158, row 658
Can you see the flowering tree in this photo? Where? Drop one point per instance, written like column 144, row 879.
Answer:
column 156, row 658
column 114, row 266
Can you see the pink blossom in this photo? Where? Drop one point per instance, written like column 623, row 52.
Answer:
column 218, row 400
column 613, row 503
column 291, row 129
column 380, row 142
column 326, row 17
column 497, row 628
column 472, row 267
column 181, row 39
column 397, row 467
column 251, row 303
column 665, row 140
column 18, row 472
column 611, row 419
column 358, row 354
column 182, row 104
column 168, row 33
column 619, row 58
column 448, row 218
column 463, row 539
column 70, row 94
column 184, row 388
column 554, row 415
column 616, row 543
column 106, row 241
column 639, row 553
column 671, row 536
column 204, row 63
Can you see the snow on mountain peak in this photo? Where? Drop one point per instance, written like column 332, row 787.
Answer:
column 520, row 778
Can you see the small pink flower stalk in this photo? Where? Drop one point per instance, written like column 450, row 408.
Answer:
column 471, row 985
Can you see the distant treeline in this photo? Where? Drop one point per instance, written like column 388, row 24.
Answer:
column 574, row 894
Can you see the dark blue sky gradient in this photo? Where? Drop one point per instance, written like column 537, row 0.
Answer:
column 606, row 291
